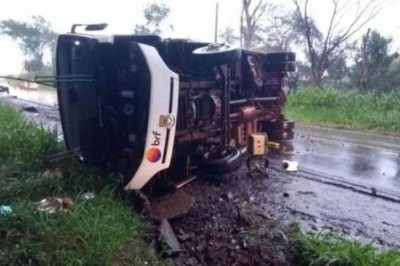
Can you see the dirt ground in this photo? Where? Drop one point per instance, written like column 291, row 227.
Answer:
column 228, row 226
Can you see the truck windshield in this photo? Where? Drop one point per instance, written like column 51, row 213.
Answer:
column 107, row 115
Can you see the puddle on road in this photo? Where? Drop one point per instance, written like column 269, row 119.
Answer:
column 369, row 166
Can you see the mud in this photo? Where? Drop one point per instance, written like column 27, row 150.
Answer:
column 344, row 184
column 230, row 225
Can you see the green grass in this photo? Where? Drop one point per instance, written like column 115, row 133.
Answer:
column 370, row 111
column 326, row 249
column 101, row 231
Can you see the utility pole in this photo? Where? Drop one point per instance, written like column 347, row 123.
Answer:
column 216, row 23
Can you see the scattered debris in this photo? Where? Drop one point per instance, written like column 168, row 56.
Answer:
column 53, row 205
column 229, row 195
column 183, row 236
column 5, row 209
column 185, row 182
column 168, row 236
column 50, row 173
column 87, row 196
column 30, row 109
column 290, row 166
column 257, row 165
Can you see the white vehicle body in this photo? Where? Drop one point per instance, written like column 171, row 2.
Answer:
column 162, row 119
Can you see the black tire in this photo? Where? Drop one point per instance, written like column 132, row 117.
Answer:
column 280, row 135
column 217, row 55
column 223, row 165
column 284, row 125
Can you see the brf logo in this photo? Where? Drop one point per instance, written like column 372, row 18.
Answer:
column 157, row 138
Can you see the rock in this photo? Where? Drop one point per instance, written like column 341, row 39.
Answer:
column 192, row 261
column 168, row 236
column 314, row 227
column 30, row 109
column 183, row 236
column 252, row 198
column 285, row 194
column 229, row 195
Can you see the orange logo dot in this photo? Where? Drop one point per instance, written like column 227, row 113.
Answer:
column 153, row 155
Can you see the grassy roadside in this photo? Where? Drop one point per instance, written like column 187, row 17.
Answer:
column 373, row 112
column 327, row 249
column 101, row 231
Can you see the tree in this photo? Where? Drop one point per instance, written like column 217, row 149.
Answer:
column 155, row 14
column 279, row 28
column 264, row 23
column 372, row 61
column 249, row 22
column 321, row 50
column 394, row 73
column 338, row 72
column 33, row 39
column 228, row 36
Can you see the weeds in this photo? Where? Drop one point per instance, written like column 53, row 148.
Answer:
column 371, row 111
column 327, row 249
column 94, row 232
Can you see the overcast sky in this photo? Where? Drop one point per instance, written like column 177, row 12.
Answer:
column 190, row 19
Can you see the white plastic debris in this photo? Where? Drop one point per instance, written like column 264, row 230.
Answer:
column 290, row 166
column 87, row 196
column 5, row 209
column 53, row 205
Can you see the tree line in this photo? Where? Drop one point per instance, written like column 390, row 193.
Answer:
column 332, row 56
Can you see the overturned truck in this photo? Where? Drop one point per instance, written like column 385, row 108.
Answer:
column 150, row 107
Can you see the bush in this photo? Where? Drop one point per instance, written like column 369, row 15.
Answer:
column 371, row 111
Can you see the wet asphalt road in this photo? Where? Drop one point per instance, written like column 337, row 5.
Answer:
column 358, row 158
column 347, row 181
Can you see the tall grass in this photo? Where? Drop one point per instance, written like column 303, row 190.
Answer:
column 94, row 232
column 326, row 249
column 370, row 111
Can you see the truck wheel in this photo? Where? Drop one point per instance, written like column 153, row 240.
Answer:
column 218, row 54
column 221, row 162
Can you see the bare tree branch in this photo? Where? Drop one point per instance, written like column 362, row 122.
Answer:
column 324, row 52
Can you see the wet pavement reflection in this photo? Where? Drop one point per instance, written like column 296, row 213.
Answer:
column 353, row 157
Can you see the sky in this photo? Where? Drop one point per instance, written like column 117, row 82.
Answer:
column 192, row 19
